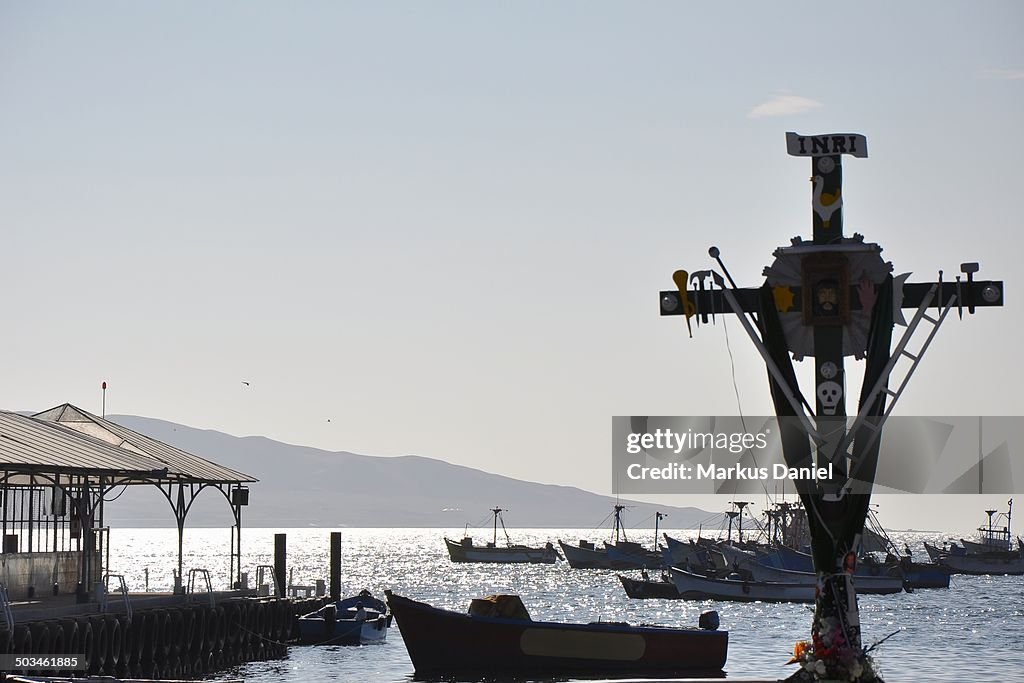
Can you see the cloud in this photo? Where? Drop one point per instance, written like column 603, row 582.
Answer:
column 783, row 105
column 1002, row 74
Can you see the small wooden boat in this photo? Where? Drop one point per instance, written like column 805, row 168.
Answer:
column 498, row 638
column 466, row 551
column 695, row 587
column 645, row 589
column 358, row 620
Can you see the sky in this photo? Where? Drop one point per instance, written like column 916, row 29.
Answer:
column 441, row 228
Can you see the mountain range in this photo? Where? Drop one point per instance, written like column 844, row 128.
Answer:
column 301, row 486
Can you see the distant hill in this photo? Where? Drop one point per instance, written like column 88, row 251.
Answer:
column 301, row 486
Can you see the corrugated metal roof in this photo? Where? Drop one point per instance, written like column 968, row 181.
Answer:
column 28, row 445
column 180, row 464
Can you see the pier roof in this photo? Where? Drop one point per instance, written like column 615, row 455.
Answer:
column 67, row 440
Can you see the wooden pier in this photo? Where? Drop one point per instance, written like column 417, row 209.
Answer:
column 165, row 636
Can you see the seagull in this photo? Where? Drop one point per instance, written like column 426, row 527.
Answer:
column 824, row 203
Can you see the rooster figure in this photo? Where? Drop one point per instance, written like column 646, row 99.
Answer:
column 825, row 203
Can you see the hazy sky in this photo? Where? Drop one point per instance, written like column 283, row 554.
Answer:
column 440, row 228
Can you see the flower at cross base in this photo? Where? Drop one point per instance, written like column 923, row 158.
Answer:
column 839, row 663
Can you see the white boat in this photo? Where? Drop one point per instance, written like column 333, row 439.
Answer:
column 467, row 551
column 695, row 587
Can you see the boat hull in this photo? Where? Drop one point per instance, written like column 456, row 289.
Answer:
column 516, row 554
column 442, row 642
column 319, row 631
column 695, row 587
column 628, row 555
column 585, row 558
column 646, row 590
column 336, row 623
column 865, row 585
column 993, row 564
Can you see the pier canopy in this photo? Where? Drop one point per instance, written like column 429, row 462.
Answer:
column 57, row 467
column 153, row 460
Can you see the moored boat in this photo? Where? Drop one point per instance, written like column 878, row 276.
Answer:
column 358, row 620
column 960, row 562
column 621, row 553
column 498, row 637
column 467, row 551
column 747, row 563
column 644, row 589
column 990, row 555
column 992, row 538
column 695, row 587
column 687, row 554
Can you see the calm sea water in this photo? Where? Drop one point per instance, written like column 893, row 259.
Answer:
column 972, row 632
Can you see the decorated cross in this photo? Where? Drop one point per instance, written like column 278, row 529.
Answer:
column 830, row 298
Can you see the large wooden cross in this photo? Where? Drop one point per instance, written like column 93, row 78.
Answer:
column 829, row 298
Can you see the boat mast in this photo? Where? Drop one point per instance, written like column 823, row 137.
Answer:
column 732, row 515
column 496, row 511
column 741, row 504
column 618, row 523
column 657, row 518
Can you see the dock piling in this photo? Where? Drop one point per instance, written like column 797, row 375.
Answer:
column 280, row 563
column 335, row 566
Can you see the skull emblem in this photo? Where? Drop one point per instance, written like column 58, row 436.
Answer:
column 829, row 394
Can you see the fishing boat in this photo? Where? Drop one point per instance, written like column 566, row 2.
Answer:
column 692, row 586
column 959, row 561
column 498, row 638
column 676, row 553
column 359, row 620
column 991, row 555
column 747, row 564
column 645, row 589
column 467, row 551
column 992, row 538
column 621, row 553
